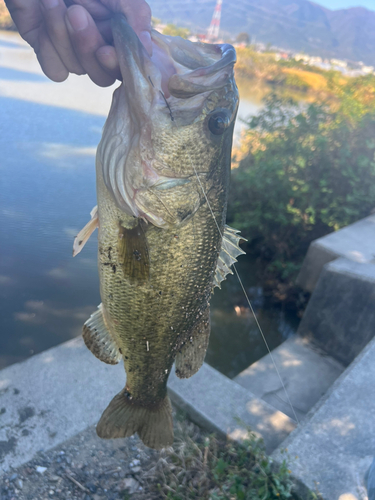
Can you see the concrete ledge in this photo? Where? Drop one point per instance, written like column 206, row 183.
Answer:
column 55, row 395
column 219, row 404
column 316, row 258
column 336, row 444
column 355, row 242
column 51, row 397
column 306, row 374
column 340, row 316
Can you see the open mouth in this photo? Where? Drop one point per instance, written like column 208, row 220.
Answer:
column 159, row 95
column 178, row 68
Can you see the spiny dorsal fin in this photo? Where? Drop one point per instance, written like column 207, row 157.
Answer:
column 83, row 236
column 133, row 253
column 192, row 354
column 230, row 249
column 98, row 339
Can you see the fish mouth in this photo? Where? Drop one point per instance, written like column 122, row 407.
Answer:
column 167, row 89
column 178, row 68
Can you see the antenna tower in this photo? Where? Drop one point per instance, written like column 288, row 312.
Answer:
column 213, row 30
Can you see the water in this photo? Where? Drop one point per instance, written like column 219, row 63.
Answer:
column 48, row 136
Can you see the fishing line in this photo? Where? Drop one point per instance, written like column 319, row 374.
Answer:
column 248, row 300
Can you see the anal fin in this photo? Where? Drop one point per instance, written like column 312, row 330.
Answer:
column 83, row 236
column 229, row 252
column 98, row 339
column 192, row 354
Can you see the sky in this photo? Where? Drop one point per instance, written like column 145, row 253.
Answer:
column 344, row 4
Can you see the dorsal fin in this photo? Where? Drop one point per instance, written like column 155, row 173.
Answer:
column 230, row 249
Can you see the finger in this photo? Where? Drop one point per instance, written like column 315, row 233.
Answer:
column 138, row 14
column 54, row 15
column 105, row 29
column 27, row 16
column 86, row 40
column 49, row 59
column 107, row 57
column 96, row 9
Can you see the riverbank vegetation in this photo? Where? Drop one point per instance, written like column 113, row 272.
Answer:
column 301, row 171
column 6, row 22
column 202, row 467
column 289, row 77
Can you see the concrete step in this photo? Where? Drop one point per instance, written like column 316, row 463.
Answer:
column 57, row 394
column 355, row 242
column 306, row 374
column 215, row 402
column 340, row 316
column 335, row 446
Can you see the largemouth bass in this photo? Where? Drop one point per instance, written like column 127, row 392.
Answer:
column 163, row 168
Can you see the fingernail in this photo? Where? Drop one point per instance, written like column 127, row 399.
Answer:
column 78, row 18
column 107, row 57
column 145, row 38
column 50, row 4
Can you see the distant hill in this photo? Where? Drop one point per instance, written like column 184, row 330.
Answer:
column 299, row 25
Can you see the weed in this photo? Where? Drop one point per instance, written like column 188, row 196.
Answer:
column 205, row 468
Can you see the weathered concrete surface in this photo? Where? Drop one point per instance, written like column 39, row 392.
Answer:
column 336, row 446
column 306, row 374
column 217, row 403
column 355, row 242
column 50, row 398
column 340, row 317
column 57, row 394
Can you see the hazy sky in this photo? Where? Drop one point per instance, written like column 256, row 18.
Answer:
column 344, row 4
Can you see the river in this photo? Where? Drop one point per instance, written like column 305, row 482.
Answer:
column 48, row 136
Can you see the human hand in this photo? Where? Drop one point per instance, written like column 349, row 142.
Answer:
column 74, row 36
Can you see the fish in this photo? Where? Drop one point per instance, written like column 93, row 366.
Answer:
column 162, row 173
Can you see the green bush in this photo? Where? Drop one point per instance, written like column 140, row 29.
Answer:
column 173, row 30
column 304, row 173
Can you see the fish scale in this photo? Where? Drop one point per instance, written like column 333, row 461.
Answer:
column 182, row 261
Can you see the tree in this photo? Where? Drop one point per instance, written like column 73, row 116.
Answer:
column 304, row 174
column 173, row 30
column 243, row 38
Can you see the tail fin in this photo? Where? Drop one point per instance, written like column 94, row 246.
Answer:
column 123, row 418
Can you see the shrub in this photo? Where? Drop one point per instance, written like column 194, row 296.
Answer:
column 301, row 175
column 173, row 30
column 5, row 19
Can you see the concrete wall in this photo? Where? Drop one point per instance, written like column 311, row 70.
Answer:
column 335, row 446
column 355, row 242
column 340, row 317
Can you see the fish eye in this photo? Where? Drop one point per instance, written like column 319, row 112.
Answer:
column 218, row 122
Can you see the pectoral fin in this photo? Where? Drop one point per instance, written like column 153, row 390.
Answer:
column 83, row 236
column 192, row 354
column 230, row 249
column 98, row 339
column 133, row 253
